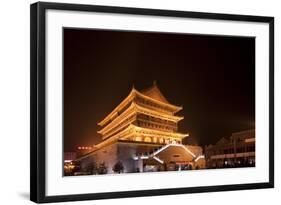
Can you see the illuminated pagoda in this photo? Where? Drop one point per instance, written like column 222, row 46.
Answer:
column 142, row 134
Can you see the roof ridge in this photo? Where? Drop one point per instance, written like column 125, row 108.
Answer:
column 155, row 93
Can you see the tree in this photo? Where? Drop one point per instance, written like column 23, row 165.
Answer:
column 92, row 168
column 102, row 168
column 118, row 167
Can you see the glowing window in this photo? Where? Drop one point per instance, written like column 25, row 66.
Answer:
column 147, row 139
column 138, row 138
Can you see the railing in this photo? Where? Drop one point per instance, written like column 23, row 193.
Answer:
column 153, row 154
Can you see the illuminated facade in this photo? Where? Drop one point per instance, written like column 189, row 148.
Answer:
column 142, row 133
column 236, row 151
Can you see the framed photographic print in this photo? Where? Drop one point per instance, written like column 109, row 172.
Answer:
column 129, row 102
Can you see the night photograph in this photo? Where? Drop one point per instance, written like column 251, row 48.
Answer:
column 138, row 102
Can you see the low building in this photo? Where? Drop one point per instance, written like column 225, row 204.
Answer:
column 69, row 156
column 69, row 161
column 236, row 151
column 142, row 134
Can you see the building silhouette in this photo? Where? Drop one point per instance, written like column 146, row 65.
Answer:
column 236, row 151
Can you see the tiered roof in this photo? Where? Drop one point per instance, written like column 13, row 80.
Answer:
column 152, row 94
column 155, row 93
column 120, row 123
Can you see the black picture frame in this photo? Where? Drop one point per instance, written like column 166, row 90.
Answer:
column 38, row 100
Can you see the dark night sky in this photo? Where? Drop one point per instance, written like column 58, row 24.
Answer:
column 212, row 77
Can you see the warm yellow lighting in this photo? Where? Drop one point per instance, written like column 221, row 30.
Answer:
column 138, row 139
column 147, row 139
column 133, row 94
column 142, row 117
